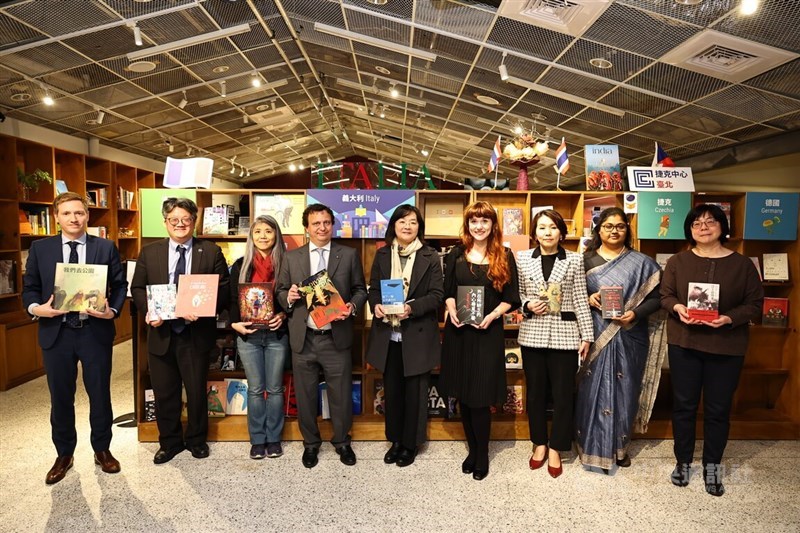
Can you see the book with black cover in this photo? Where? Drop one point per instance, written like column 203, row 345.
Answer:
column 469, row 304
column 611, row 302
column 323, row 301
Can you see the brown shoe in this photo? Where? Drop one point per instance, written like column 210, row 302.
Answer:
column 107, row 463
column 59, row 469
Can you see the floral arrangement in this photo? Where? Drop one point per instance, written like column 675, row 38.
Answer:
column 526, row 148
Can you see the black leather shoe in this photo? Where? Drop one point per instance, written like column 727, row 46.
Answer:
column 406, row 457
column 163, row 456
column 310, row 457
column 468, row 466
column 713, row 479
column 478, row 475
column 59, row 469
column 199, row 451
column 393, row 453
column 680, row 476
column 625, row 462
column 346, row 455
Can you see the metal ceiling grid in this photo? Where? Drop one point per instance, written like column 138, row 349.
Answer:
column 751, row 104
column 176, row 26
column 62, row 108
column 701, row 14
column 445, row 46
column 637, row 142
column 68, row 18
column 756, row 131
column 14, row 32
column 116, row 129
column 677, row 136
column 153, row 105
column 490, row 61
column 576, row 84
column 623, row 64
column 532, row 40
column 227, row 14
column 636, row 102
column 81, row 79
column 104, row 44
column 626, row 122
column 257, row 37
column 784, row 80
column 702, row 119
column 677, row 82
column 222, row 68
column 170, row 80
column 712, row 143
column 776, row 24
column 115, row 95
column 589, row 129
column 545, row 101
column 787, row 122
column 119, row 65
column 43, row 59
column 132, row 9
column 436, row 82
column 455, row 18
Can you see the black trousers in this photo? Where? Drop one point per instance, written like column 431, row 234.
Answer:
column 181, row 365
column 406, row 401
column 557, row 368
column 716, row 377
column 61, row 365
column 477, row 423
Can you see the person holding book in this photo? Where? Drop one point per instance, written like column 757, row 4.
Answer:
column 706, row 355
column 473, row 350
column 405, row 345
column 68, row 337
column 611, row 377
column 263, row 343
column 321, row 338
column 178, row 349
column 554, row 336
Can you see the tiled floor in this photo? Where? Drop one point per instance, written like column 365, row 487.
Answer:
column 230, row 492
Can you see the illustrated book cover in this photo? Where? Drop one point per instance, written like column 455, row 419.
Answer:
column 551, row 293
column 236, row 396
column 392, row 297
column 775, row 312
column 323, row 301
column 216, row 393
column 379, row 402
column 256, row 304
column 611, row 301
column 215, row 220
column 513, row 353
column 602, row 167
column 515, row 400
column 703, row 301
column 161, row 301
column 512, row 221
column 197, row 295
column 661, row 215
column 469, row 304
column 437, row 404
column 149, row 405
column 79, row 287
column 776, row 267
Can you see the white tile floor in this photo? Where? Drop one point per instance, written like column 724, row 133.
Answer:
column 230, row 492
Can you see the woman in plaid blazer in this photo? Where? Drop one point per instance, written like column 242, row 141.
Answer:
column 555, row 335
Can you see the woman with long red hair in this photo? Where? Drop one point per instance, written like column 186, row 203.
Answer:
column 473, row 365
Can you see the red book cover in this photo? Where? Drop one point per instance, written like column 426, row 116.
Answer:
column 775, row 313
column 323, row 301
column 611, row 302
column 256, row 303
column 703, row 301
column 197, row 295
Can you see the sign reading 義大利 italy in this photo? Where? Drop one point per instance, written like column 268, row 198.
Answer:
column 660, row 179
column 771, row 216
column 661, row 214
column 367, row 175
column 360, row 213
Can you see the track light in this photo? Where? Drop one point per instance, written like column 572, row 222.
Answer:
column 248, row 174
column 301, row 166
column 100, row 116
column 238, row 94
column 191, row 41
column 183, row 101
column 188, row 151
column 503, row 69
column 425, row 152
column 241, row 173
column 255, row 80
column 393, row 91
column 223, row 90
column 383, row 112
column 233, row 169
column 245, row 119
column 137, row 35
column 748, row 7
column 47, row 99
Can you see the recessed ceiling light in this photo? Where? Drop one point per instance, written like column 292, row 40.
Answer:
column 688, row 2
column 254, row 139
column 601, row 62
column 383, row 70
column 262, row 107
column 20, row 97
column 220, row 69
column 141, row 66
column 142, row 1
column 92, row 122
column 486, row 99
column 378, row 2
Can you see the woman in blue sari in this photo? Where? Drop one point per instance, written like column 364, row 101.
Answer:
column 610, row 380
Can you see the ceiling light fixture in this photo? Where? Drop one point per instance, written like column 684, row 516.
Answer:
column 748, row 7
column 372, row 41
column 191, row 41
column 183, row 101
column 601, row 62
column 425, row 152
column 378, row 2
column 383, row 112
column 47, row 99
column 241, row 173
column 245, row 119
column 393, row 91
column 566, row 96
column 370, row 89
column 301, row 166
column 243, row 92
column 503, row 70
column 292, row 167
column 233, row 168
column 100, row 116
column 223, row 89
column 137, row 33
column 188, row 150
column 255, row 80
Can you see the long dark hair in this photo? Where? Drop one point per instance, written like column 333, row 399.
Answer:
column 605, row 214
column 250, row 250
column 403, row 211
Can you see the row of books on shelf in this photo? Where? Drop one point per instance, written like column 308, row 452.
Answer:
column 35, row 222
column 125, row 198
column 98, row 197
column 775, row 266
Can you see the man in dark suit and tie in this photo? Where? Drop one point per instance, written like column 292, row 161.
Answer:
column 85, row 336
column 326, row 349
column 179, row 349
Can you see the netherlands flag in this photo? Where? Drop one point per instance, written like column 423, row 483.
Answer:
column 661, row 159
column 497, row 153
column 562, row 158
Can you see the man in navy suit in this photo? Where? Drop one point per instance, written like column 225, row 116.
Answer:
column 179, row 349
column 66, row 338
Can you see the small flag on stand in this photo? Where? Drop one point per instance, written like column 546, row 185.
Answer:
column 562, row 158
column 661, row 159
column 497, row 153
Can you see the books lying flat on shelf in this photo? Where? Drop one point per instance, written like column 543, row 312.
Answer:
column 256, row 304
column 7, row 276
column 513, row 353
column 775, row 313
column 611, row 302
column 161, row 301
column 703, row 301
column 79, row 287
column 552, row 295
column 776, row 267
column 323, row 301
column 392, row 297
column 236, row 396
column 469, row 304
column 512, row 221
column 197, row 295
column 149, row 406
column 217, row 398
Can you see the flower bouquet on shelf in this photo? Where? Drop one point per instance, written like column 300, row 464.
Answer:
column 523, row 151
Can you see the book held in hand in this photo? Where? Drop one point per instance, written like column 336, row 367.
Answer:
column 469, row 304
column 256, row 304
column 775, row 313
column 197, row 295
column 323, row 301
column 552, row 295
column 703, row 301
column 79, row 287
column 611, row 302
column 392, row 297
column 161, row 301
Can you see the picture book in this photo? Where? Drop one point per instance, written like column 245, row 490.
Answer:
column 611, row 301
column 661, row 214
column 437, row 404
column 215, row 220
column 323, row 301
column 551, row 293
column 515, row 400
column 776, row 267
column 770, row 216
column 512, row 221
column 513, row 317
column 289, row 395
column 357, row 405
column 256, row 304
column 161, row 301
column 197, row 295
column 79, row 287
column 469, row 304
column 217, row 398
column 378, row 403
column 602, row 167
column 236, row 396
column 703, row 301
column 392, row 297
column 775, row 313
column 286, row 209
column 228, row 358
column 7, row 276
column 149, row 405
column 513, row 353
column 361, row 214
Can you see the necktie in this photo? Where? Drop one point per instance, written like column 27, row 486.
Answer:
column 73, row 318
column 322, row 264
column 179, row 324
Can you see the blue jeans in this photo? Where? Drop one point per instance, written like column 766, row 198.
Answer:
column 263, row 355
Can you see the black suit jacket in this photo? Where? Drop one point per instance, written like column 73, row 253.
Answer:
column 39, row 280
column 152, row 268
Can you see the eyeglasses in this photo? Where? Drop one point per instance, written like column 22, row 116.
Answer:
column 182, row 221
column 611, row 227
column 708, row 223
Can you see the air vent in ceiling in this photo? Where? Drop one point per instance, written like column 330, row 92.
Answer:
column 572, row 17
column 725, row 60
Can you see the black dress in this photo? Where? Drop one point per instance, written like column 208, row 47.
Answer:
column 473, row 360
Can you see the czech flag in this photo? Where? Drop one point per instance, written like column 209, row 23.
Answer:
column 497, row 153
column 661, row 159
column 562, row 158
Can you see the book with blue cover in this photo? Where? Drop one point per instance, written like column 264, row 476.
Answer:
column 392, row 297
column 236, row 396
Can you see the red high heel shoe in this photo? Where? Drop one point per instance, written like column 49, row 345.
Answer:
column 537, row 464
column 555, row 471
